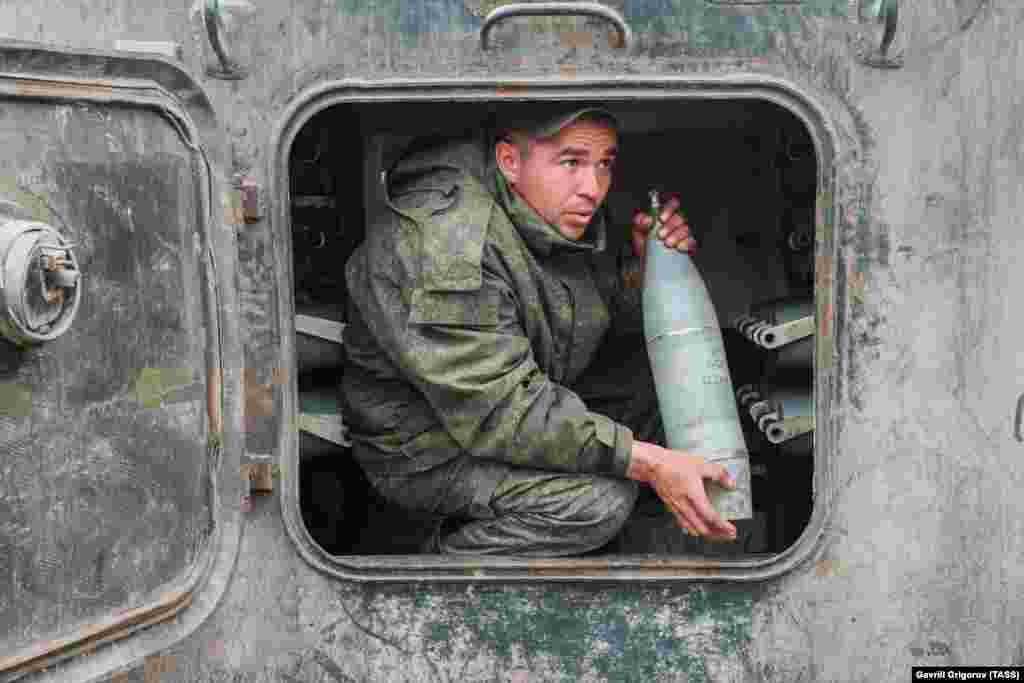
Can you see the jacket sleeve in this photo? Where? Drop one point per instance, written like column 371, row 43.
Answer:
column 435, row 294
column 467, row 353
column 619, row 277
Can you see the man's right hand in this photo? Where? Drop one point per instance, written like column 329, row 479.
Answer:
column 678, row 479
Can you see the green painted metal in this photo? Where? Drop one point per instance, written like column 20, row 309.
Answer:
column 705, row 27
column 721, row 27
column 15, row 400
column 691, row 374
column 152, row 386
column 629, row 634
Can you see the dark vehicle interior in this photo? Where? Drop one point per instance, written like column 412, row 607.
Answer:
column 746, row 171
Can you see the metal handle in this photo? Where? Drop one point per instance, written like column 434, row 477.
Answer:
column 556, row 9
column 229, row 68
column 889, row 15
column 1018, row 419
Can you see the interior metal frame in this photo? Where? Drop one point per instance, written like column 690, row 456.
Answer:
column 614, row 568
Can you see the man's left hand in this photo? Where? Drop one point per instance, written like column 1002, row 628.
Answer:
column 674, row 232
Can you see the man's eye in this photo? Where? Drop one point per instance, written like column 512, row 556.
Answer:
column 608, row 164
column 570, row 163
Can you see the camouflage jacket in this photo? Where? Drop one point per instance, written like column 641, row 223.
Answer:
column 469, row 320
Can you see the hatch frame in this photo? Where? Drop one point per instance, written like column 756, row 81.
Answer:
column 615, row 568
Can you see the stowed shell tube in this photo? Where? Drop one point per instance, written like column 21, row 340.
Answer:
column 691, row 374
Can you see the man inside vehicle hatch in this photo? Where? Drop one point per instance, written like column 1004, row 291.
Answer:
column 486, row 381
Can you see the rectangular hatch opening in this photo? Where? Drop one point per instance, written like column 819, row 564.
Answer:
column 747, row 172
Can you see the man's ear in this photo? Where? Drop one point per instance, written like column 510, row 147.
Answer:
column 506, row 154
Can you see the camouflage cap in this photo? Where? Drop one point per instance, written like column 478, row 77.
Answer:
column 542, row 121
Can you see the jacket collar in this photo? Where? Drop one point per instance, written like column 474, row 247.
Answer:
column 475, row 157
column 541, row 236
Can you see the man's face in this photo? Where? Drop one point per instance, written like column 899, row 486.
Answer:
column 564, row 178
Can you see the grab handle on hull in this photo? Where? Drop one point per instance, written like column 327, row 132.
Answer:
column 885, row 13
column 556, row 9
column 1018, row 419
column 216, row 31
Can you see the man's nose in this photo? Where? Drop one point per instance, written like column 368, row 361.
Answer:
column 590, row 184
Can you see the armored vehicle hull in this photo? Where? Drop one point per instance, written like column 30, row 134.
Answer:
column 180, row 186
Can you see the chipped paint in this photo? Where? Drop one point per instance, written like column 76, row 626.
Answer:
column 33, row 203
column 413, row 19
column 829, row 567
column 855, row 278
column 63, row 89
column 231, row 205
column 152, row 385
column 706, row 28
column 823, row 278
column 625, row 635
column 156, row 666
column 15, row 400
column 728, row 28
column 824, row 217
column 481, row 8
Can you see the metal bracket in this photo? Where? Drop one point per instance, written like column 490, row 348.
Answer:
column 327, row 427
column 258, row 473
column 886, row 13
column 557, row 9
column 778, row 419
column 167, row 48
column 330, row 330
column 769, row 336
column 252, row 198
column 229, row 68
column 800, row 240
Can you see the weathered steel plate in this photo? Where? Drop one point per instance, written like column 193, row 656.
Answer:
column 107, row 433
